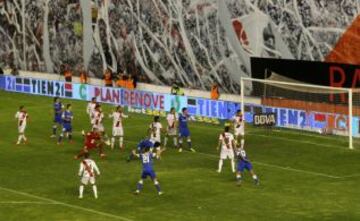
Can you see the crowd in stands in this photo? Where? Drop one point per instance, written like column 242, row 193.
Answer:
column 157, row 42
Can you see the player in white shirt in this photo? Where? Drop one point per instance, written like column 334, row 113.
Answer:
column 239, row 128
column 227, row 145
column 22, row 117
column 171, row 119
column 97, row 120
column 90, row 109
column 86, row 172
column 118, row 130
column 155, row 130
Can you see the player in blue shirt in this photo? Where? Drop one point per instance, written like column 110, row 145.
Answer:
column 146, row 157
column 67, row 117
column 184, row 131
column 146, row 143
column 58, row 106
column 244, row 163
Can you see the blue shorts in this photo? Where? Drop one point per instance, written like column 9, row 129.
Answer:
column 146, row 173
column 57, row 119
column 242, row 165
column 67, row 127
column 184, row 132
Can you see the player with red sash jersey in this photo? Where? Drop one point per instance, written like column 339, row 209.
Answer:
column 22, row 117
column 87, row 171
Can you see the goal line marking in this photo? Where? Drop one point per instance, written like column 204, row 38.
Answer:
column 48, row 200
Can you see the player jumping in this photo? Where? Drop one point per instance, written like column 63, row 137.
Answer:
column 22, row 117
column 172, row 120
column 58, row 106
column 244, row 163
column 146, row 157
column 239, row 128
column 155, row 130
column 227, row 144
column 184, row 131
column 118, row 130
column 67, row 117
column 86, row 172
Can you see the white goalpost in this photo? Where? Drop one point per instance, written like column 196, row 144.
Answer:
column 304, row 107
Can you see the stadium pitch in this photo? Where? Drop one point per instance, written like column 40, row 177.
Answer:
column 304, row 176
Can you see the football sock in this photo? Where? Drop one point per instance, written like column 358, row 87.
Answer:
column 238, row 177
column 242, row 143
column 19, row 138
column 81, row 191
column 139, row 185
column 95, row 191
column 60, row 137
column 112, row 142
column 121, row 141
column 157, row 185
column 220, row 165
column 70, row 136
column 54, row 129
column 233, row 165
column 175, row 141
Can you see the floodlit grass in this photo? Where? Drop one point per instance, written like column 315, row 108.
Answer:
column 302, row 176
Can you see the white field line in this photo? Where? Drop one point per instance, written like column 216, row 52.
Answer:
column 48, row 200
column 27, row 202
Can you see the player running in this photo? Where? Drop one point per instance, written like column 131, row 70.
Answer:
column 86, row 172
column 227, row 144
column 58, row 106
column 172, row 120
column 155, row 130
column 244, row 163
column 22, row 117
column 184, row 131
column 118, row 130
column 239, row 128
column 67, row 117
column 146, row 157
column 92, row 141
column 90, row 109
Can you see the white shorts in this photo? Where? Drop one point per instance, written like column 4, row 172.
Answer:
column 86, row 180
column 21, row 129
column 172, row 131
column 239, row 131
column 117, row 131
column 99, row 127
column 226, row 153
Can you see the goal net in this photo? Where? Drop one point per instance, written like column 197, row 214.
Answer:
column 303, row 108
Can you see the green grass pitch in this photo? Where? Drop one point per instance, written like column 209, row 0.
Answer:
column 302, row 176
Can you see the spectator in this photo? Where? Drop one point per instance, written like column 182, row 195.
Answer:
column 130, row 82
column 14, row 70
column 68, row 74
column 214, row 94
column 108, row 79
column 121, row 80
column 174, row 89
column 83, row 76
column 1, row 71
column 135, row 80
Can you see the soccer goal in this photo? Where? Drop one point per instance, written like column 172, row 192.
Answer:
column 303, row 108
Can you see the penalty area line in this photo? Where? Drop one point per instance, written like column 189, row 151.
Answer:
column 109, row 215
